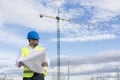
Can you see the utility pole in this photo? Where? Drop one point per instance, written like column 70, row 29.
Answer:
column 117, row 72
column 68, row 70
column 58, row 39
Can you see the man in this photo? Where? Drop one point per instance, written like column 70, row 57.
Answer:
column 33, row 38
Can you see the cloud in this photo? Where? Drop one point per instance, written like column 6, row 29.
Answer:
column 110, row 76
column 104, row 57
column 96, row 71
column 106, row 11
column 56, row 4
column 87, row 38
column 1, row 20
column 108, row 5
column 27, row 14
column 105, row 62
column 11, row 39
column 87, row 69
column 8, row 64
column 9, row 58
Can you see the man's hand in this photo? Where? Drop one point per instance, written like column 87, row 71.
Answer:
column 44, row 64
column 20, row 64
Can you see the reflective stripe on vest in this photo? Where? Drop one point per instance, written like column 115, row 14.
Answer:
column 25, row 52
column 28, row 71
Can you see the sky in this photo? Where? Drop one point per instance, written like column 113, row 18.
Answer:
column 89, row 41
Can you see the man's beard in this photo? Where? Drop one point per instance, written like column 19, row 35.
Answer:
column 35, row 45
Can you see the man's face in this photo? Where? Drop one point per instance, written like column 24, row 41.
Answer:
column 34, row 42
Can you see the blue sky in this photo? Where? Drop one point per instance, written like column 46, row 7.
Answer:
column 92, row 34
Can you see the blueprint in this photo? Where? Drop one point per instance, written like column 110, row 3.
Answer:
column 34, row 60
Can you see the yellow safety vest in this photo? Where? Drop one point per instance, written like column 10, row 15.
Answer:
column 27, row 72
